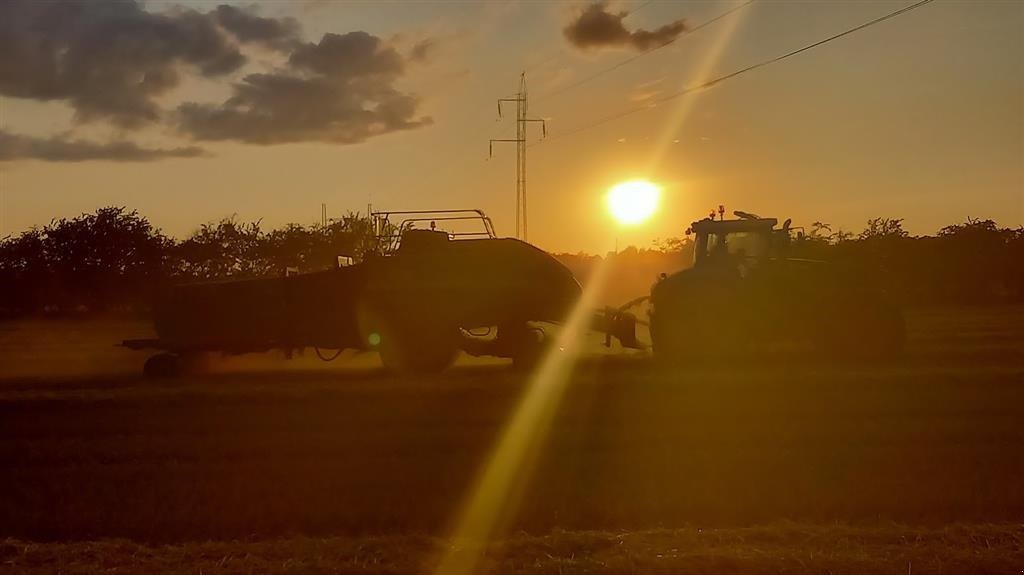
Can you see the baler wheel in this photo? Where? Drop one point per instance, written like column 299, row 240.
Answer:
column 408, row 344
column 408, row 350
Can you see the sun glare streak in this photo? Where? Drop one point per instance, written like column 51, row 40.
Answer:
column 684, row 106
column 495, row 496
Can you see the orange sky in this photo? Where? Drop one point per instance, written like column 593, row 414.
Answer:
column 920, row 117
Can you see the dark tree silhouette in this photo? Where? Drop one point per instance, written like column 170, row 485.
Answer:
column 110, row 257
column 23, row 272
column 226, row 249
column 880, row 229
column 114, row 258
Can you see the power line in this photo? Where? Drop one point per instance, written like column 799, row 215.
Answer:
column 631, row 59
column 761, row 64
column 640, row 7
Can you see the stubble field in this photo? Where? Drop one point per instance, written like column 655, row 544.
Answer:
column 791, row 465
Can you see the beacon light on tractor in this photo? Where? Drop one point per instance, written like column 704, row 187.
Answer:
column 424, row 297
column 744, row 292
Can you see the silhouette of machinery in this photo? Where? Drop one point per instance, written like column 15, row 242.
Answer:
column 744, row 293
column 425, row 296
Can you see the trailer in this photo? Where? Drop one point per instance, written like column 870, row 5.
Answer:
column 426, row 295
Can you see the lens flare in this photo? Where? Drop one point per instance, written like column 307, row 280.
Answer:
column 633, row 202
column 496, row 494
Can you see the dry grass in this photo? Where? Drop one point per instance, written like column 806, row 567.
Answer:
column 781, row 548
column 872, row 462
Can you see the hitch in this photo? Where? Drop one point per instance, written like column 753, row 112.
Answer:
column 618, row 324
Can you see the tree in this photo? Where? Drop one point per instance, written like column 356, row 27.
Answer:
column 23, row 272
column 820, row 231
column 884, row 229
column 979, row 262
column 228, row 248
column 111, row 255
column 351, row 235
column 292, row 246
column 673, row 245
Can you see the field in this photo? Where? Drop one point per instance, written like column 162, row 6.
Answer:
column 784, row 466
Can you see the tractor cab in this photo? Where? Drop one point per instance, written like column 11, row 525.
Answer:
column 745, row 241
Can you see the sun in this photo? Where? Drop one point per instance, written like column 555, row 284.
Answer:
column 633, row 202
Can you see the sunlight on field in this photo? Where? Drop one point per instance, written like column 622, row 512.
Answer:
column 496, row 495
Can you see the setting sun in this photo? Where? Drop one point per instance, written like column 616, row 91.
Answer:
column 634, row 201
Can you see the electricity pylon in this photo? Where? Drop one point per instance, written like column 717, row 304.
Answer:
column 520, row 140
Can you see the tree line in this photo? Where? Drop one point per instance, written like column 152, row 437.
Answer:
column 973, row 262
column 115, row 259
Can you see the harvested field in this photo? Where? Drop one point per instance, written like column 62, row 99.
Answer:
column 794, row 465
column 779, row 548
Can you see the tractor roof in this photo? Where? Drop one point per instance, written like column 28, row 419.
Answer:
column 708, row 225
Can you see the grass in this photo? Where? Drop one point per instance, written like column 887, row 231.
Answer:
column 780, row 548
column 792, row 466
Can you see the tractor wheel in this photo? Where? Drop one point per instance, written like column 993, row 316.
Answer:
column 667, row 346
column 694, row 336
column 162, row 366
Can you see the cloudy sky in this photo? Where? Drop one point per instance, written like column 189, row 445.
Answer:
column 194, row 111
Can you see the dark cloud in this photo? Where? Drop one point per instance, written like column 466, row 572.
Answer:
column 596, row 27
column 348, row 55
column 111, row 60
column 55, row 149
column 339, row 90
column 422, row 50
column 277, row 33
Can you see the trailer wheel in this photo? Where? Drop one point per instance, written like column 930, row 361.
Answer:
column 162, row 366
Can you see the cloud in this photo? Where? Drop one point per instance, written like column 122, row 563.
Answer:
column 278, row 33
column 57, row 149
column 340, row 90
column 111, row 60
column 596, row 27
column 422, row 50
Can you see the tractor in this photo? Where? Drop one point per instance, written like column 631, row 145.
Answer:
column 426, row 295
column 745, row 295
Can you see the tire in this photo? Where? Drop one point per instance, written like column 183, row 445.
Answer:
column 526, row 345
column 694, row 336
column 412, row 351
column 162, row 366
